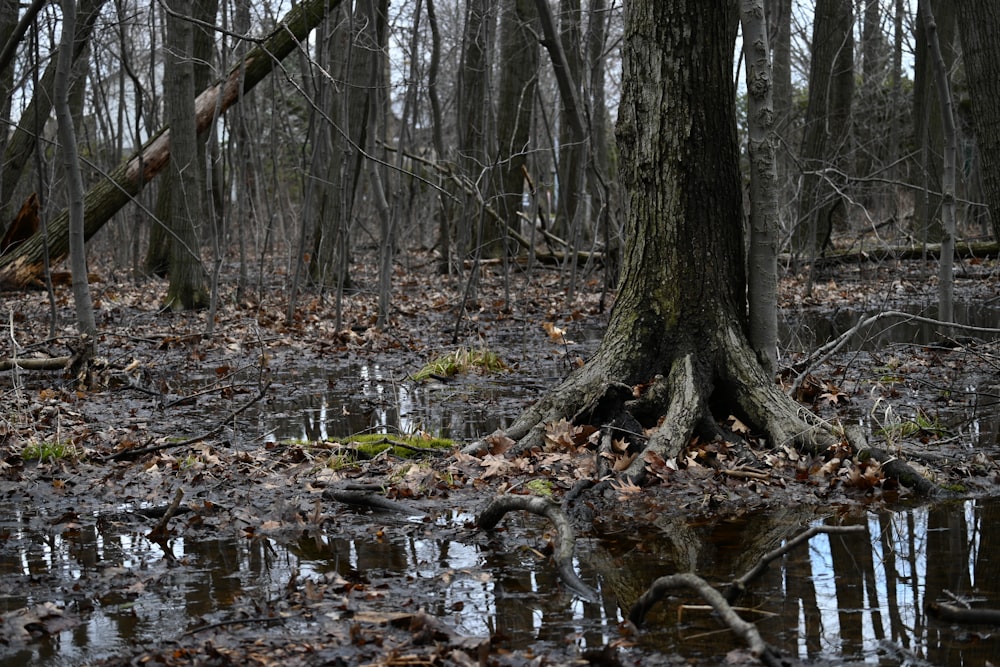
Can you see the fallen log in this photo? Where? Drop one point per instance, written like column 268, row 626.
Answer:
column 23, row 264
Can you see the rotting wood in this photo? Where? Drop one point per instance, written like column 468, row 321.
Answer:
column 563, row 554
column 25, row 263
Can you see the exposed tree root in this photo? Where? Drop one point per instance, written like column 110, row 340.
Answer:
column 743, row 629
column 659, row 415
column 563, row 555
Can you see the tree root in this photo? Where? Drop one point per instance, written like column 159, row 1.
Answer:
column 563, row 555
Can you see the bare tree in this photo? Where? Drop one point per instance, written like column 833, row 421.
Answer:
column 74, row 178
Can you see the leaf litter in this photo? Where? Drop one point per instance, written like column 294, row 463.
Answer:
column 157, row 382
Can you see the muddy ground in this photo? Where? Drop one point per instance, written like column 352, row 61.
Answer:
column 70, row 445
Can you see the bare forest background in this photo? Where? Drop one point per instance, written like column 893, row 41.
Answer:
column 479, row 130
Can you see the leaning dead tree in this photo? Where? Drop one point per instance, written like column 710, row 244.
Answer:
column 22, row 265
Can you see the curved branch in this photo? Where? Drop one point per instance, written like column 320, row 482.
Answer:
column 745, row 630
column 544, row 507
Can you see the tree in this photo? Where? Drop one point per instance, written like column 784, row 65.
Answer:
column 74, row 178
column 187, row 284
column 828, row 113
column 519, row 55
column 676, row 353
column 979, row 29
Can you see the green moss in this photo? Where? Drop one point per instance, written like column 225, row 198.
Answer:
column 460, row 361
column 51, row 451
column 404, row 446
column 540, row 487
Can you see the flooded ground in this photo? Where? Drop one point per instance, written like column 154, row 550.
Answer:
column 853, row 598
column 261, row 565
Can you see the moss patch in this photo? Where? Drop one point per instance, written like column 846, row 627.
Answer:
column 460, row 361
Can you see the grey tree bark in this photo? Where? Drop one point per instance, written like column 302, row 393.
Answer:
column 762, row 274
column 928, row 130
column 945, row 278
column 74, row 177
column 515, row 105
column 979, row 28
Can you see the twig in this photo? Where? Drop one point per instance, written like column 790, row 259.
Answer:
column 544, row 507
column 159, row 531
column 738, row 586
column 133, row 453
column 826, row 351
column 234, row 621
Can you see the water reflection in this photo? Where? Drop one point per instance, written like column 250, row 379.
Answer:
column 853, row 597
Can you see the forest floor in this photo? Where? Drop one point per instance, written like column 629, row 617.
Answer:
column 68, row 444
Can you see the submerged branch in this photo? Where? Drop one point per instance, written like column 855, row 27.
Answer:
column 563, row 555
column 743, row 629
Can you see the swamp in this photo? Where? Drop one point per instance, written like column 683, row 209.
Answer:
column 200, row 500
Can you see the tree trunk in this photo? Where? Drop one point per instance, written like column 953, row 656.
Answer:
column 676, row 351
column 762, row 288
column 22, row 266
column 928, row 131
column 979, row 28
column 474, row 114
column 945, row 277
column 74, row 178
column 825, row 136
column 518, row 78
column 187, row 284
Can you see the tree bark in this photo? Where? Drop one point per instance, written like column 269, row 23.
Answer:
column 676, row 351
column 186, row 290
column 762, row 288
column 826, row 131
column 945, row 278
column 22, row 266
column 518, row 78
column 979, row 28
column 74, row 178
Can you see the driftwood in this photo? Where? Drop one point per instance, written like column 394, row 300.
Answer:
column 563, row 556
column 23, row 265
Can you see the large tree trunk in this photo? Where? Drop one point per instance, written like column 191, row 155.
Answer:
column 680, row 321
column 23, row 265
column 979, row 28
